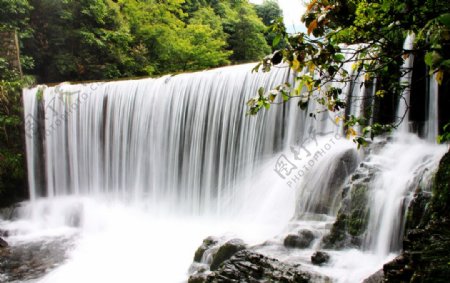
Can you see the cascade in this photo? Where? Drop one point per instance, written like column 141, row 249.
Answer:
column 402, row 109
column 161, row 164
column 431, row 126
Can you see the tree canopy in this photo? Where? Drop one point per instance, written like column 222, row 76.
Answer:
column 369, row 34
column 105, row 39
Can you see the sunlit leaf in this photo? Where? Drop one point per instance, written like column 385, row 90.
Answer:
column 439, row 76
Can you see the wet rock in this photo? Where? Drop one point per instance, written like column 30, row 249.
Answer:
column 4, row 233
column 206, row 245
column 226, row 251
column 377, row 277
column 32, row 260
column 197, row 278
column 3, row 243
column 395, row 270
column 319, row 196
column 301, row 240
column 248, row 266
column 320, row 257
column 353, row 216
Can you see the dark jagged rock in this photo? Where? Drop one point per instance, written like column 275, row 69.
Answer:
column 226, row 251
column 198, row 278
column 248, row 266
column 377, row 277
column 320, row 257
column 302, row 240
column 3, row 243
column 207, row 244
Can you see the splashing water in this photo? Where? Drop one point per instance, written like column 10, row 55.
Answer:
column 138, row 173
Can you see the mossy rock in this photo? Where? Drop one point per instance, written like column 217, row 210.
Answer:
column 207, row 244
column 351, row 221
column 226, row 251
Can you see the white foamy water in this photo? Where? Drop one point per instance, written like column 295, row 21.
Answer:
column 139, row 172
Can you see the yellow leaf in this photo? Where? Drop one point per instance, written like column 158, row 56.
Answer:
column 439, row 77
column 337, row 119
column 295, row 64
column 380, row 93
column 354, row 66
column 311, row 67
column 366, row 76
column 312, row 26
column 351, row 133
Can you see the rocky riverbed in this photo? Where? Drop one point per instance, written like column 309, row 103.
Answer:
column 24, row 261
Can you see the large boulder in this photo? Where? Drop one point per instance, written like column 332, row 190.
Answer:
column 226, row 251
column 248, row 266
column 302, row 240
column 353, row 216
column 319, row 258
column 319, row 196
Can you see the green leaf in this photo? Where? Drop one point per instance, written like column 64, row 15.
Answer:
column 338, row 57
column 261, row 91
column 445, row 19
column 276, row 40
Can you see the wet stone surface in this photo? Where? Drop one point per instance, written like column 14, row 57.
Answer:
column 31, row 260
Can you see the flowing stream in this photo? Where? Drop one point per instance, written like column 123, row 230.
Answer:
column 137, row 173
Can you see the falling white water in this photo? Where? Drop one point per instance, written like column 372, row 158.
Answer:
column 403, row 106
column 184, row 138
column 140, row 172
column 432, row 111
column 393, row 185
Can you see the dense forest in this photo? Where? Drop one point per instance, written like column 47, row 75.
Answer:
column 97, row 40
column 103, row 40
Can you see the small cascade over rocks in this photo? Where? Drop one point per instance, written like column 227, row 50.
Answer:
column 144, row 170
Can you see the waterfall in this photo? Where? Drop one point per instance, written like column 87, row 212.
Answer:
column 403, row 106
column 399, row 176
column 185, row 138
column 163, row 163
column 431, row 126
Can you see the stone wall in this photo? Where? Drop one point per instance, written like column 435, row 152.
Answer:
column 9, row 49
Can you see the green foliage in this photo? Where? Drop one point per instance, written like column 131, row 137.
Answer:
column 369, row 35
column 270, row 13
column 445, row 137
column 14, row 14
column 106, row 39
column 247, row 38
column 12, row 161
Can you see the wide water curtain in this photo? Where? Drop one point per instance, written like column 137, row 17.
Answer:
column 185, row 138
column 154, row 158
